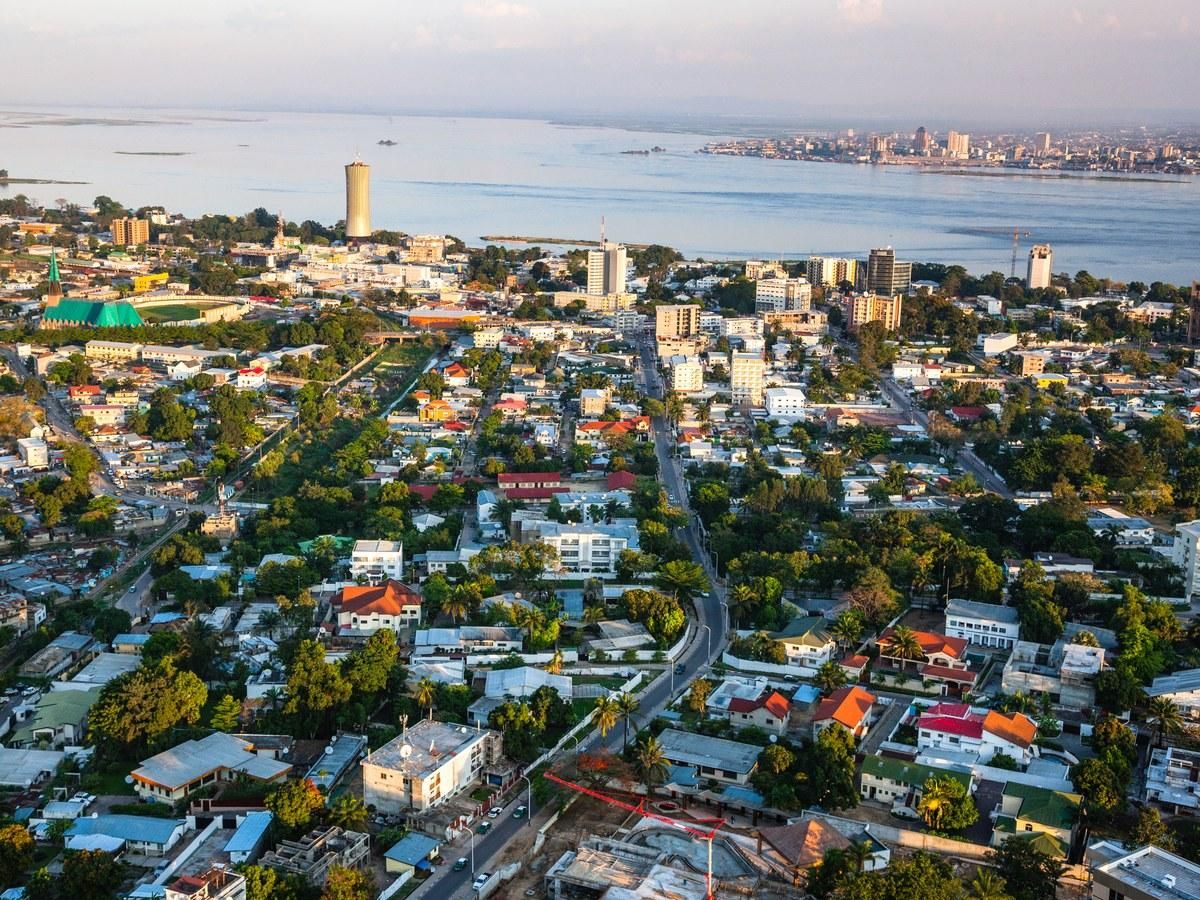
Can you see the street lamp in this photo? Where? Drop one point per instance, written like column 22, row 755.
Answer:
column 472, row 851
column 528, row 798
column 708, row 658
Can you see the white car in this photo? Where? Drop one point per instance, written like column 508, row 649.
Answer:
column 494, row 812
column 480, row 880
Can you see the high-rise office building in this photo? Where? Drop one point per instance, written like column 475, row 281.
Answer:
column 779, row 294
column 130, row 232
column 606, row 269
column 1041, row 266
column 680, row 320
column 886, row 274
column 958, row 145
column 1041, row 143
column 922, row 141
column 746, row 371
column 358, row 200
column 831, row 270
column 864, row 308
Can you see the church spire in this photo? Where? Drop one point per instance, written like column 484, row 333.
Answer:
column 54, row 292
column 53, row 277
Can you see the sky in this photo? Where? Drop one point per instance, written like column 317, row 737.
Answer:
column 1025, row 63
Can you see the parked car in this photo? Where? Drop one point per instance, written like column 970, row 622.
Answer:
column 493, row 812
column 480, row 880
column 484, row 828
column 520, row 811
column 459, row 864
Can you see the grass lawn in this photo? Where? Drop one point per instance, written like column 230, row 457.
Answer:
column 612, row 682
column 109, row 783
column 175, row 312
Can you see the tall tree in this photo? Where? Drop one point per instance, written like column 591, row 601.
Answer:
column 1028, row 873
column 627, row 705
column 650, row 763
column 315, row 687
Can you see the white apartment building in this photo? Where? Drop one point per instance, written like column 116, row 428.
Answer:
column 741, row 327
column 1000, row 342
column 1173, row 778
column 988, row 624
column 607, row 269
column 34, row 453
column 756, row 269
column 687, row 375
column 427, row 764
column 1181, row 688
column 746, row 371
column 785, row 402
column 588, row 549
column 1186, row 555
column 377, row 561
column 779, row 294
column 1041, row 266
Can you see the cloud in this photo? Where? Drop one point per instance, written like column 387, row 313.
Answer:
column 1077, row 16
column 1112, row 21
column 860, row 12
column 496, row 9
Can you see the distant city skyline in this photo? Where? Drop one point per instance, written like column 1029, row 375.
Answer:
column 937, row 62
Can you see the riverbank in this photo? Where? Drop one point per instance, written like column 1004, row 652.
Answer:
column 5, row 181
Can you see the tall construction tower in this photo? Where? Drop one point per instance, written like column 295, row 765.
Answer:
column 358, row 201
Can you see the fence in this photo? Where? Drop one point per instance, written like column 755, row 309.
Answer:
column 765, row 668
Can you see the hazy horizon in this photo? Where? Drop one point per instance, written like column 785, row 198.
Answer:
column 836, row 63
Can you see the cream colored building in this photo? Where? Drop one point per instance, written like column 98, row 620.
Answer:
column 426, row 765
column 358, row 200
column 130, row 232
column 115, row 351
column 863, row 308
column 1041, row 267
column 779, row 294
column 687, row 375
column 746, row 371
column 677, row 320
column 606, row 269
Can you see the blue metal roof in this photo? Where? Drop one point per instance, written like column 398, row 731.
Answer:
column 412, row 848
column 130, row 639
column 250, row 832
column 806, row 693
column 739, row 794
column 684, row 776
column 141, row 829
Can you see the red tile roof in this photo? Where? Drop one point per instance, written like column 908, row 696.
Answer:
column 945, row 673
column 847, row 706
column 424, row 491
column 969, row 727
column 621, row 481
column 931, row 642
column 387, row 599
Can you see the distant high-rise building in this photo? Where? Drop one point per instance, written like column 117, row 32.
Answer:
column 886, row 274
column 130, row 232
column 358, row 200
column 746, row 371
column 958, row 145
column 677, row 320
column 922, row 141
column 606, row 269
column 1041, row 267
column 1041, row 142
column 1194, row 314
column 864, row 308
column 756, row 269
column 779, row 294
column 831, row 270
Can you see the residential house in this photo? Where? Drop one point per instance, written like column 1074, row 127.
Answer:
column 1182, row 688
column 943, row 661
column 218, row 883
column 173, row 774
column 377, row 560
column 592, row 549
column 731, row 762
column 1173, row 779
column 59, row 720
column 988, row 624
column 523, row 682
column 468, row 639
column 147, row 835
column 770, row 712
column 899, row 783
column 415, row 852
column 848, row 707
column 807, row 641
column 426, row 765
column 1066, row 671
column 1025, row 809
column 984, row 733
column 363, row 610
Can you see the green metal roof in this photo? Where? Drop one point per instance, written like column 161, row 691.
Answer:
column 94, row 313
column 904, row 772
column 1057, row 809
column 811, row 631
column 56, row 709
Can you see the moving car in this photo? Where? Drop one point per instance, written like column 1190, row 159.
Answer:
column 459, row 864
column 520, row 811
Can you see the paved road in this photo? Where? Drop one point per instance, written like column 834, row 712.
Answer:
column 697, row 656
column 966, row 457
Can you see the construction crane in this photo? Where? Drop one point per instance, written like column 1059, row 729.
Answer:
column 640, row 809
column 1017, row 235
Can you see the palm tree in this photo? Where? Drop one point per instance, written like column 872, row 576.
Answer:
column 742, row 598
column 273, row 696
column 607, row 715
column 831, row 676
column 456, row 605
column 937, row 799
column 594, row 614
column 858, row 854
column 1164, row 715
column 904, row 645
column 650, row 763
column 682, row 578
column 269, row 621
column 846, row 629
column 554, row 667
column 348, row 812
column 627, row 705
column 987, row 885
column 425, row 694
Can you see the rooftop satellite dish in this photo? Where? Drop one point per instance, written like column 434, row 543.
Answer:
column 129, row 779
column 405, row 751
column 773, row 738
column 329, row 750
column 942, row 460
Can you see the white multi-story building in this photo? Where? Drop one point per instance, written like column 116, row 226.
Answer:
column 426, row 765
column 779, row 294
column 1173, row 778
column 741, row 327
column 785, row 402
column 34, row 453
column 687, row 375
column 1186, row 555
column 1181, row 688
column 746, row 371
column 988, row 624
column 589, row 549
column 1041, row 267
column 1000, row 342
column 377, row 561
column 607, row 269
column 984, row 733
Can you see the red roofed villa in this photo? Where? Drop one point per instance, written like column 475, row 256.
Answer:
column 849, row 707
column 361, row 611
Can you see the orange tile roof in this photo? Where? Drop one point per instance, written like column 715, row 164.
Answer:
column 931, row 642
column 1016, row 728
column 777, row 705
column 847, row 706
column 387, row 599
